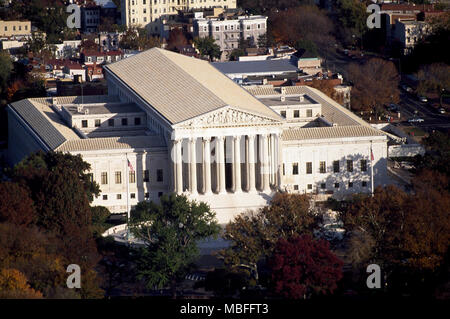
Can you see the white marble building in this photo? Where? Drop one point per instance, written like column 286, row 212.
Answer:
column 187, row 128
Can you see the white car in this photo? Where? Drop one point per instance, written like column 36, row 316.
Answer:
column 423, row 99
column 441, row 110
column 416, row 120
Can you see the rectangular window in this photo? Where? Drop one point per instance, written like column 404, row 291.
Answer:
column 105, row 197
column 124, row 122
column 97, row 123
column 295, row 187
column 364, row 184
column 283, row 114
column 294, row 168
column 336, row 185
column 160, row 194
column 132, row 177
column 323, row 185
column 159, row 175
column 336, row 166
column 323, row 168
column 146, row 176
column 363, row 165
column 84, row 123
column 104, row 179
column 147, row 195
column 296, row 113
column 350, row 184
column 118, row 177
column 111, row 122
column 309, row 113
column 349, row 165
column 137, row 121
column 133, row 195
column 284, row 170
column 308, row 167
column 119, row 196
column 309, row 186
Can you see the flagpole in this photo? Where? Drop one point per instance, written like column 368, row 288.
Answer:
column 128, row 198
column 371, row 167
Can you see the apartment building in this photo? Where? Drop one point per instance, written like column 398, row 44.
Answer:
column 409, row 33
column 15, row 29
column 228, row 32
column 147, row 13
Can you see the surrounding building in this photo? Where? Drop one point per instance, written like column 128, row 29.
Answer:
column 147, row 13
column 90, row 18
column 101, row 57
column 15, row 29
column 409, row 33
column 241, row 71
column 187, row 128
column 228, row 32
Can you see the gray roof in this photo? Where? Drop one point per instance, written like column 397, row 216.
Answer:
column 39, row 123
column 181, row 87
column 314, row 133
column 109, row 143
column 255, row 67
column 107, row 108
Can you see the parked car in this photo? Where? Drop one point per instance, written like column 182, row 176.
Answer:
column 422, row 99
column 416, row 120
column 407, row 88
column 441, row 110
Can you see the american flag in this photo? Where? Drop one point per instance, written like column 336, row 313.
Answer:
column 371, row 154
column 130, row 166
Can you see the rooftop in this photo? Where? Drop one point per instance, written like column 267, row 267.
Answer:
column 288, row 100
column 180, row 87
column 44, row 120
column 255, row 67
column 104, row 108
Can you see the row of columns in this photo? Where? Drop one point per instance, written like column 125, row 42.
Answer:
column 267, row 169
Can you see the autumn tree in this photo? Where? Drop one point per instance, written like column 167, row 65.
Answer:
column 170, row 231
column 302, row 266
column 434, row 78
column 13, row 285
column 411, row 233
column 208, row 48
column 176, row 39
column 16, row 205
column 375, row 83
column 327, row 87
column 253, row 235
column 138, row 39
column 352, row 18
column 302, row 23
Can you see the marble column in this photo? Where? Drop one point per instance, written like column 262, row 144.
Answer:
column 207, row 165
column 265, row 171
column 237, row 181
column 220, row 148
column 179, row 167
column 192, row 166
column 251, row 164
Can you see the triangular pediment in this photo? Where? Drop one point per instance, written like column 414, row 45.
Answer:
column 227, row 116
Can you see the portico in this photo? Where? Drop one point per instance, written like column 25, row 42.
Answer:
column 227, row 155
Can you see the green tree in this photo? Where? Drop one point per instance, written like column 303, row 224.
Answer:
column 170, row 231
column 6, row 66
column 253, row 235
column 208, row 48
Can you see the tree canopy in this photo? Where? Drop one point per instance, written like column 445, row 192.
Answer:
column 302, row 267
column 208, row 48
column 375, row 83
column 170, row 231
column 253, row 235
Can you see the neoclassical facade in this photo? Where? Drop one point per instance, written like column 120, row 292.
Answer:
column 187, row 128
